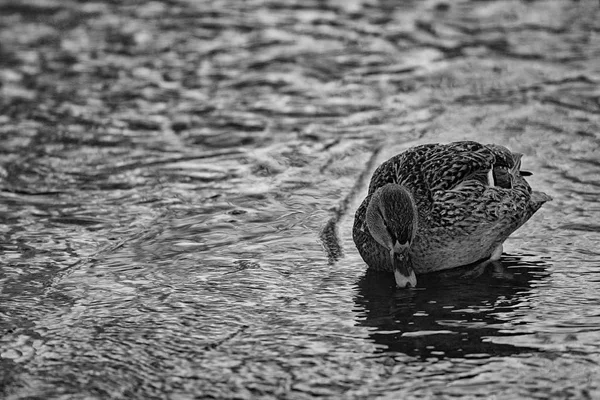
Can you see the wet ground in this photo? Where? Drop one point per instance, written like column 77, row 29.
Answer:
column 178, row 181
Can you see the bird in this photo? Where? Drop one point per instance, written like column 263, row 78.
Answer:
column 438, row 206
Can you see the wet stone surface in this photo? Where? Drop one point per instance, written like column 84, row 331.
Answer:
column 178, row 181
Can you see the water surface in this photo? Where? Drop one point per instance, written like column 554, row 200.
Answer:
column 178, row 182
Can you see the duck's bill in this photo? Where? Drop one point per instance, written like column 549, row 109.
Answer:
column 403, row 273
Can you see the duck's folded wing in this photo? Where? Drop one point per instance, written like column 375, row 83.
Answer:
column 451, row 165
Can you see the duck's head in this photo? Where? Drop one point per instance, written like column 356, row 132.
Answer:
column 392, row 221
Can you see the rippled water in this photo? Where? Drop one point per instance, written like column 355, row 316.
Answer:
column 178, row 182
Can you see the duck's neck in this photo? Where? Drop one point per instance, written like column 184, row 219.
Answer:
column 392, row 222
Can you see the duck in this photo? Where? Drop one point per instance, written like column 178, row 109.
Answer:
column 438, row 206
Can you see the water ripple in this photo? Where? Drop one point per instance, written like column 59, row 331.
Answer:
column 177, row 183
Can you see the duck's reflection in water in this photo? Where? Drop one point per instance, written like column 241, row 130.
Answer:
column 451, row 314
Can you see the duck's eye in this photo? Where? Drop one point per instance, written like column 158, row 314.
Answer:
column 382, row 217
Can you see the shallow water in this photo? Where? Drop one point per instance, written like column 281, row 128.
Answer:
column 177, row 188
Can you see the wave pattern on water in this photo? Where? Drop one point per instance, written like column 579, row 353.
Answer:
column 177, row 184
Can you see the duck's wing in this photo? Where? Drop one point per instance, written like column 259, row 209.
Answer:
column 493, row 192
column 451, row 165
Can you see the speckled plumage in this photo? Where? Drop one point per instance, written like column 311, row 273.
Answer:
column 461, row 218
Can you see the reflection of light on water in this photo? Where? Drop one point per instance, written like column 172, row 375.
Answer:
column 426, row 333
column 161, row 199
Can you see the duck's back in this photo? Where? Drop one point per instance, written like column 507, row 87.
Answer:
column 434, row 166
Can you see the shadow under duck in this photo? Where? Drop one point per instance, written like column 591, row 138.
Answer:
column 441, row 206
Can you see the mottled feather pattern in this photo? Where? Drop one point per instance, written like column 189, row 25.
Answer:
column 457, row 207
column 467, row 158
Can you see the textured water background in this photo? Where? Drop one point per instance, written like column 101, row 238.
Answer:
column 171, row 174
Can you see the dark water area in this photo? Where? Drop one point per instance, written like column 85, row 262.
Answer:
column 455, row 311
column 178, row 181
